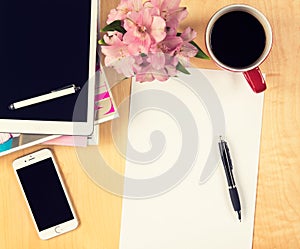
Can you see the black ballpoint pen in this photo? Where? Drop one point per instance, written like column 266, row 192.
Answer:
column 227, row 163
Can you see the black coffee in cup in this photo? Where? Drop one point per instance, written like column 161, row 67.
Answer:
column 237, row 39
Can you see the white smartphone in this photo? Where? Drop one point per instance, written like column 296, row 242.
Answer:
column 45, row 194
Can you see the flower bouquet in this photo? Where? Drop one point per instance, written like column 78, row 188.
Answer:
column 142, row 39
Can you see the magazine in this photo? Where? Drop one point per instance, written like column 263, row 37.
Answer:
column 13, row 142
column 105, row 110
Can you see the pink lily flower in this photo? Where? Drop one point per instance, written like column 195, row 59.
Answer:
column 187, row 50
column 125, row 7
column 188, row 34
column 178, row 46
column 170, row 45
column 151, row 67
column 171, row 11
column 117, row 54
column 148, row 44
column 156, row 66
column 171, row 63
column 143, row 29
column 148, row 74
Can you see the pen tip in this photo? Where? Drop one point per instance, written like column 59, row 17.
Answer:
column 240, row 216
column 11, row 107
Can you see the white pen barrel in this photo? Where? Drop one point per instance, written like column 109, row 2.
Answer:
column 42, row 98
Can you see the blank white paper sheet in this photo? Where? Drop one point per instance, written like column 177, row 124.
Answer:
column 162, row 210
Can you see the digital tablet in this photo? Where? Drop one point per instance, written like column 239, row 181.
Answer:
column 47, row 66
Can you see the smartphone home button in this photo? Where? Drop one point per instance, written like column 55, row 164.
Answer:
column 58, row 229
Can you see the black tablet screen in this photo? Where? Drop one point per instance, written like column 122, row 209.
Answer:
column 44, row 46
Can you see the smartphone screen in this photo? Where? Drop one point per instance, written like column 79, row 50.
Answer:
column 45, row 194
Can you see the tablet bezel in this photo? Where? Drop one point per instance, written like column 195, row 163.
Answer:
column 64, row 127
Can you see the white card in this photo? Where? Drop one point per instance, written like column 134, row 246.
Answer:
column 166, row 210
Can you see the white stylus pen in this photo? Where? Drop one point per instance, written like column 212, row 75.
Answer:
column 53, row 95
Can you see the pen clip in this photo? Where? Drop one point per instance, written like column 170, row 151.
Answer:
column 63, row 88
column 222, row 150
column 225, row 151
column 228, row 156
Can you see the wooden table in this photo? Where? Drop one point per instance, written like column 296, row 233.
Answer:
column 277, row 218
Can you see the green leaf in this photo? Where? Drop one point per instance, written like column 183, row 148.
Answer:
column 101, row 42
column 200, row 53
column 114, row 26
column 182, row 69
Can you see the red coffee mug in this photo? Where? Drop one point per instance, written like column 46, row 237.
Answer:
column 251, row 72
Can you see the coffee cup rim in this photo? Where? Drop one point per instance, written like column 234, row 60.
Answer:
column 259, row 16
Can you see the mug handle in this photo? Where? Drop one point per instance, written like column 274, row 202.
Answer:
column 255, row 80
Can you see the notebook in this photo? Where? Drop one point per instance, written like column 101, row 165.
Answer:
column 164, row 210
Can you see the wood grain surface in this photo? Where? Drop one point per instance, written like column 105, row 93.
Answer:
column 277, row 218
